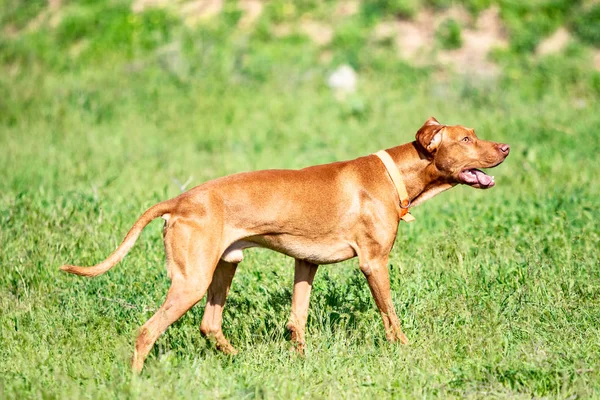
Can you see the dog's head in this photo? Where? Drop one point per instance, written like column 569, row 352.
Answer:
column 458, row 154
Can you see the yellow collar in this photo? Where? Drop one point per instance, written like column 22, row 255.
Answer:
column 386, row 159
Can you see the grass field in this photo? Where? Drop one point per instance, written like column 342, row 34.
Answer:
column 498, row 291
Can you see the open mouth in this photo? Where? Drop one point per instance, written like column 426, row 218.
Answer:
column 476, row 178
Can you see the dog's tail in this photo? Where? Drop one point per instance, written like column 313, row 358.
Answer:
column 153, row 212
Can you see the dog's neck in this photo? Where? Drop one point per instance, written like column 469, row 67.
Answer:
column 422, row 179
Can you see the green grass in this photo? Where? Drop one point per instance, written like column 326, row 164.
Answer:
column 498, row 291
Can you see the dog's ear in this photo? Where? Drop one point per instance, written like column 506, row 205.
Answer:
column 429, row 136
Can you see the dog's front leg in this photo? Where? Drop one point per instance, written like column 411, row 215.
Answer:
column 304, row 275
column 376, row 272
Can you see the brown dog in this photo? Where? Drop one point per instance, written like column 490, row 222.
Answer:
column 318, row 215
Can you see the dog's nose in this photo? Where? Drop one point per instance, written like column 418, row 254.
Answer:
column 504, row 148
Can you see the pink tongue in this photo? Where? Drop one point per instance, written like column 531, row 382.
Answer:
column 482, row 178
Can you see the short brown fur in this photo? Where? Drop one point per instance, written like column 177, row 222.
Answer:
column 318, row 215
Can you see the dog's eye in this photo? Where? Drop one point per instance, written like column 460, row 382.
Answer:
column 466, row 139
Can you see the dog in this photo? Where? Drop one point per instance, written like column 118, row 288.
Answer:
column 318, row 215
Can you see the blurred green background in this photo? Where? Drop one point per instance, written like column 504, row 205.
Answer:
column 107, row 107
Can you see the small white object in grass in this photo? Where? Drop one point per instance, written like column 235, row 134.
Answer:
column 343, row 79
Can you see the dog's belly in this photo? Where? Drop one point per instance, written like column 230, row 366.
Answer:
column 318, row 251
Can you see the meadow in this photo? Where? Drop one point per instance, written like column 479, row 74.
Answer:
column 498, row 291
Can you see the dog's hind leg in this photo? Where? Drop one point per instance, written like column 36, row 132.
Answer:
column 191, row 257
column 181, row 297
column 212, row 319
column 303, row 278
